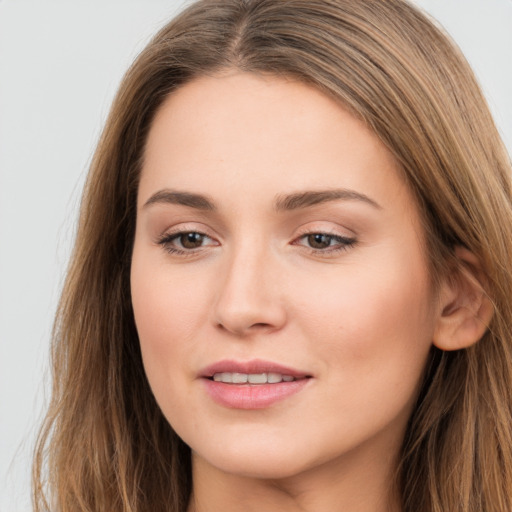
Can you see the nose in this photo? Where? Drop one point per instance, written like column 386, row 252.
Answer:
column 249, row 299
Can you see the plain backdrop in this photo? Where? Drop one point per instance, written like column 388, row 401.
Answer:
column 60, row 64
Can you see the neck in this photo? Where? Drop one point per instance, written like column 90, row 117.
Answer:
column 362, row 485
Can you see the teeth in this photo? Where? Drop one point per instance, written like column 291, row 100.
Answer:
column 223, row 377
column 257, row 378
column 251, row 378
column 239, row 378
column 274, row 378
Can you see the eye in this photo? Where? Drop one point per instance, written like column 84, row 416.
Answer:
column 319, row 240
column 325, row 242
column 185, row 241
column 190, row 240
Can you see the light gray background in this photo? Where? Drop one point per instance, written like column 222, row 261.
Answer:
column 60, row 64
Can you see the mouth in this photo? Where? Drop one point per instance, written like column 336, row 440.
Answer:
column 254, row 384
column 256, row 371
column 252, row 378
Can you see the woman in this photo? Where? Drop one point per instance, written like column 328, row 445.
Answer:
column 291, row 283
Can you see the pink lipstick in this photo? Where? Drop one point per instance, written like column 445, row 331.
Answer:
column 253, row 384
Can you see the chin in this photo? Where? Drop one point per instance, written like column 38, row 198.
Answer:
column 262, row 457
column 272, row 467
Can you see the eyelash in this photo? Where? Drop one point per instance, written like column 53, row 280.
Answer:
column 167, row 240
column 342, row 243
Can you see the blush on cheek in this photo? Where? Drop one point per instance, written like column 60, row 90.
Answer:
column 376, row 317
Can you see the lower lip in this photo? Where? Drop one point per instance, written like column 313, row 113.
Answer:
column 252, row 396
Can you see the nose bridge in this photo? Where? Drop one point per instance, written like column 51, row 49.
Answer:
column 248, row 297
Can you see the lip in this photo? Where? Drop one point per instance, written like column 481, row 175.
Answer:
column 251, row 396
column 253, row 366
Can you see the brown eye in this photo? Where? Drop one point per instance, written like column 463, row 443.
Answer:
column 325, row 243
column 191, row 240
column 186, row 242
column 319, row 240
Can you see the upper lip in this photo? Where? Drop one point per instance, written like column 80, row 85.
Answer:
column 254, row 366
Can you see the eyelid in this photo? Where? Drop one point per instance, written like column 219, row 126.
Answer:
column 187, row 227
column 177, row 234
column 345, row 241
column 167, row 237
column 327, row 228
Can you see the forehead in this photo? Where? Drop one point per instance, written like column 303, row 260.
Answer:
column 261, row 135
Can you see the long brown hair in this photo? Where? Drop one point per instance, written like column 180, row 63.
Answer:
column 105, row 446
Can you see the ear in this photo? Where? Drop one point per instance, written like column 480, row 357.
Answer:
column 465, row 307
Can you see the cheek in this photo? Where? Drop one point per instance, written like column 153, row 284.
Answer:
column 167, row 315
column 373, row 320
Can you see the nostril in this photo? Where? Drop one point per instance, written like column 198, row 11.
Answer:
column 244, row 330
column 243, row 315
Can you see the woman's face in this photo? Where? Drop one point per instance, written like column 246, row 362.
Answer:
column 276, row 240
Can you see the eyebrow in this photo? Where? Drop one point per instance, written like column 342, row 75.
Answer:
column 312, row 198
column 282, row 203
column 189, row 199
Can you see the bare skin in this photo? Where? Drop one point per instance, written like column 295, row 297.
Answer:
column 274, row 226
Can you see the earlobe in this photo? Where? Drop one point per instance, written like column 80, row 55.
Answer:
column 465, row 307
